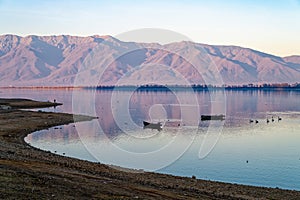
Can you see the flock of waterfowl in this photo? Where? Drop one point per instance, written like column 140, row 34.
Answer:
column 268, row 120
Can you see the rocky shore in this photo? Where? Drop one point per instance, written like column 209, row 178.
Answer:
column 30, row 173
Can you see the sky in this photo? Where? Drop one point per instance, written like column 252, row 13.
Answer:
column 271, row 26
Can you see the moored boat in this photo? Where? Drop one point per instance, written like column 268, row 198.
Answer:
column 152, row 125
column 212, row 117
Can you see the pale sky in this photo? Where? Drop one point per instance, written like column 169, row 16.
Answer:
column 271, row 26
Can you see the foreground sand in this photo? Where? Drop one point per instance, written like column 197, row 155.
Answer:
column 30, row 173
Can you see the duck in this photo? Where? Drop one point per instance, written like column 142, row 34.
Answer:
column 251, row 120
column 279, row 118
column 256, row 121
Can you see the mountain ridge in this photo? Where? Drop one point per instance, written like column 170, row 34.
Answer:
column 66, row 60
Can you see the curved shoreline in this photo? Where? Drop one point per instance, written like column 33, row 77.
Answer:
column 27, row 172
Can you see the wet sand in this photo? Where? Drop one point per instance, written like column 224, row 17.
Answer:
column 29, row 173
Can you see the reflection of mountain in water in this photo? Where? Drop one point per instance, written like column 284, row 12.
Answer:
column 130, row 110
column 117, row 115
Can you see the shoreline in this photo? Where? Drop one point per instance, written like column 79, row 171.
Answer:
column 194, row 87
column 28, row 172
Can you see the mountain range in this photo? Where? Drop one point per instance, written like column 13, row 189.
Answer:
column 104, row 60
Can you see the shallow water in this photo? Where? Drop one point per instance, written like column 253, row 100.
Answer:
column 234, row 150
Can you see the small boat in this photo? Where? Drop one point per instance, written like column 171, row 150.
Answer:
column 212, row 117
column 153, row 125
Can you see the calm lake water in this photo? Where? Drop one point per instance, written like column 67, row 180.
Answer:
column 234, row 150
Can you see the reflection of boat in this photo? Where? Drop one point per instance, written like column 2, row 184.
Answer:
column 152, row 125
column 212, row 117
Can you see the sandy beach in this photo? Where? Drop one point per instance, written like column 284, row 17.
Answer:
column 29, row 173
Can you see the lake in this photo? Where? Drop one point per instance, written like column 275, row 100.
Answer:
column 233, row 150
